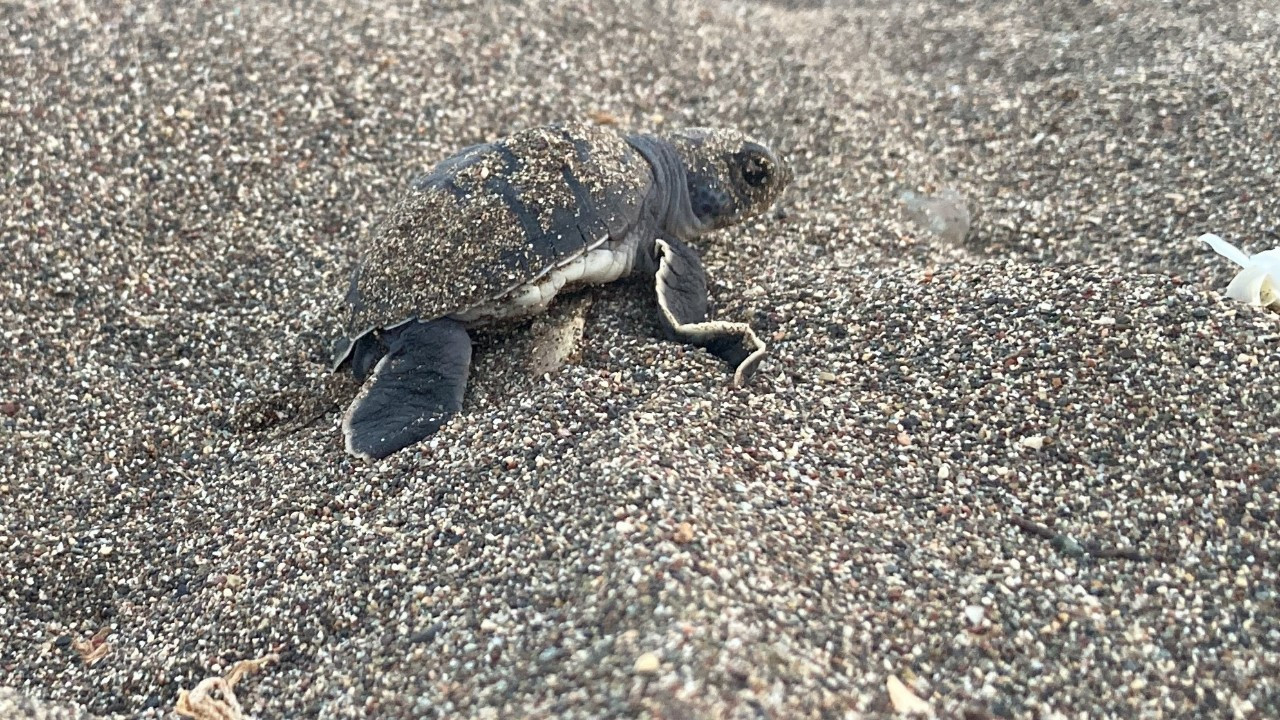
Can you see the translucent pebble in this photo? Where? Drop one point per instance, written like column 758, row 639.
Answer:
column 945, row 214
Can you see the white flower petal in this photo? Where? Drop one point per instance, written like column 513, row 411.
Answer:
column 1248, row 284
column 1269, row 261
column 1226, row 249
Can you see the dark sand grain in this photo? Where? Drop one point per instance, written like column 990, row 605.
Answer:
column 182, row 193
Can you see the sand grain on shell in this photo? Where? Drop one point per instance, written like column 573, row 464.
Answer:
column 184, row 192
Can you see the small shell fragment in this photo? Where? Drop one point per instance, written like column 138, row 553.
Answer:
column 904, row 701
column 647, row 664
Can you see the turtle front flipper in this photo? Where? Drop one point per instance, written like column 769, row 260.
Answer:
column 415, row 388
column 682, row 301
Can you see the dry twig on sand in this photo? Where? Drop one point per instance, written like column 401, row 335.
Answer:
column 93, row 649
column 215, row 698
column 1071, row 546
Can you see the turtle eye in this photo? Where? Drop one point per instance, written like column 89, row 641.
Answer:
column 755, row 171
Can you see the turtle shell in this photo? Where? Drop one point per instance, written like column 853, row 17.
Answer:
column 491, row 218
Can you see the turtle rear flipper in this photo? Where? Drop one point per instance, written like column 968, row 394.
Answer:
column 415, row 388
column 682, row 301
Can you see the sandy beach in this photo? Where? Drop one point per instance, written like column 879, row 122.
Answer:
column 1030, row 473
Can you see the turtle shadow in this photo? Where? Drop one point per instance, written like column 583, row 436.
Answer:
column 504, row 361
column 294, row 408
column 306, row 392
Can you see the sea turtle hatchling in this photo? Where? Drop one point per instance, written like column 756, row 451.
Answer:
column 493, row 233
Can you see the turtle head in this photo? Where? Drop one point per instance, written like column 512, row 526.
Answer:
column 730, row 177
